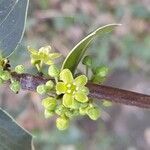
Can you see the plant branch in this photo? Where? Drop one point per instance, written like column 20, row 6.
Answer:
column 116, row 95
column 119, row 95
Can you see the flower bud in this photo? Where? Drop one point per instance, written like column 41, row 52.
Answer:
column 62, row 123
column 49, row 103
column 83, row 110
column 53, row 71
column 49, row 85
column 101, row 71
column 5, row 75
column 20, row 69
column 93, row 113
column 69, row 113
column 87, row 60
column 60, row 110
column 75, row 104
column 41, row 89
column 98, row 79
column 15, row 86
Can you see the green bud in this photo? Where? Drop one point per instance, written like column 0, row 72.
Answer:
column 107, row 103
column 41, row 89
column 48, row 113
column 101, row 71
column 83, row 105
column 75, row 104
column 69, row 113
column 83, row 111
column 5, row 75
column 60, row 110
column 53, row 71
column 72, row 113
column 98, row 79
column 62, row 123
column 87, row 60
column 15, row 86
column 49, row 85
column 93, row 113
column 20, row 69
column 49, row 103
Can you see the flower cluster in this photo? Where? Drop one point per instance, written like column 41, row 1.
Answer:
column 69, row 99
column 66, row 93
column 67, row 96
column 5, row 75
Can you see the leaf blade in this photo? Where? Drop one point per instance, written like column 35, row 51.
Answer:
column 77, row 53
column 13, row 14
column 12, row 136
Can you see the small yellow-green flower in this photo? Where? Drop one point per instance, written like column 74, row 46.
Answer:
column 43, row 56
column 73, row 89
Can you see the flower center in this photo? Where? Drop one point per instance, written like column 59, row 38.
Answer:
column 71, row 88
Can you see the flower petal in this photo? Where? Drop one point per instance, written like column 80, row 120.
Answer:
column 80, row 80
column 45, row 49
column 35, row 56
column 61, row 88
column 81, row 97
column 49, row 62
column 84, row 90
column 66, row 76
column 54, row 55
column 32, row 50
column 68, row 100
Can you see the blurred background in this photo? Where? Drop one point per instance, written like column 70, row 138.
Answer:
column 126, row 51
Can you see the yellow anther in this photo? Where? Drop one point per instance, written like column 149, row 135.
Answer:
column 69, row 91
column 68, row 85
column 77, row 88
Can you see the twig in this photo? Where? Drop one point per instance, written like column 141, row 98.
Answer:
column 116, row 95
column 119, row 95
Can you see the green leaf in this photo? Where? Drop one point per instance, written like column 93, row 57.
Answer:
column 13, row 15
column 12, row 136
column 77, row 53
